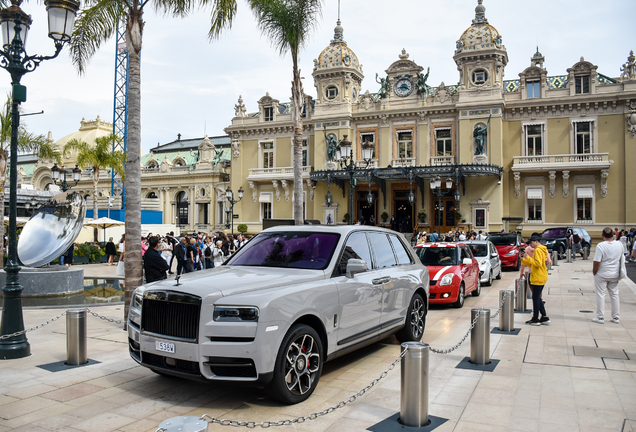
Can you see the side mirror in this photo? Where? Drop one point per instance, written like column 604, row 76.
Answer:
column 523, row 245
column 467, row 261
column 355, row 266
column 494, row 254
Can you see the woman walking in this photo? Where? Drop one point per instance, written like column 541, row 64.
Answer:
column 166, row 249
column 111, row 251
column 535, row 259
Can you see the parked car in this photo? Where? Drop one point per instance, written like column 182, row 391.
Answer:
column 508, row 246
column 280, row 307
column 453, row 271
column 488, row 257
column 558, row 239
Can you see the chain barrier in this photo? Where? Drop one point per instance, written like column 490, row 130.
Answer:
column 503, row 299
column 21, row 332
column 312, row 416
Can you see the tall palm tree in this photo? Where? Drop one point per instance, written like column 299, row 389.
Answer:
column 27, row 142
column 288, row 24
column 100, row 156
column 95, row 25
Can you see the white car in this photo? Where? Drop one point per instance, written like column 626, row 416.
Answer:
column 289, row 300
column 488, row 257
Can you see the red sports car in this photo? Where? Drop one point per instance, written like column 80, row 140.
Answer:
column 453, row 272
column 508, row 246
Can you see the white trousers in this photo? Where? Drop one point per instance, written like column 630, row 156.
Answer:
column 602, row 284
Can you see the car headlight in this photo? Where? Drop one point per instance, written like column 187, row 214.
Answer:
column 236, row 313
column 138, row 298
column 512, row 252
column 447, row 279
column 550, row 242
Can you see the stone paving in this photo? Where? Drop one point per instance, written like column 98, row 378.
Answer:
column 540, row 384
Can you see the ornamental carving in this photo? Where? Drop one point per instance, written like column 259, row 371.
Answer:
column 604, row 175
column 384, row 119
column 236, row 145
column 552, row 183
column 442, row 94
column 628, row 70
column 631, row 119
column 285, row 185
column 368, row 101
column 254, row 188
column 566, row 183
column 517, row 184
column 239, row 108
column 312, row 187
column 277, row 189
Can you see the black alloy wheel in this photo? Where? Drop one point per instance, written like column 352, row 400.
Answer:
column 413, row 329
column 298, row 365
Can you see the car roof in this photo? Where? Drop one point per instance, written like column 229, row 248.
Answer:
column 446, row 244
column 339, row 229
column 478, row 242
column 502, row 234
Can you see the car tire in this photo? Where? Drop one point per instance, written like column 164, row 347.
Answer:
column 415, row 324
column 298, row 365
column 489, row 283
column 518, row 265
column 561, row 250
column 460, row 297
column 477, row 291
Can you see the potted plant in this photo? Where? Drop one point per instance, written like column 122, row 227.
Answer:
column 242, row 228
column 458, row 215
column 345, row 218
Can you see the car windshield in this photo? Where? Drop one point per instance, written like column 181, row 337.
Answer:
column 479, row 250
column 437, row 256
column 503, row 240
column 554, row 233
column 301, row 250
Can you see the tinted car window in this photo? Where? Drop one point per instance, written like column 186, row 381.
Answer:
column 466, row 253
column 479, row 250
column 503, row 240
column 554, row 233
column 437, row 256
column 302, row 250
column 403, row 256
column 382, row 250
column 357, row 247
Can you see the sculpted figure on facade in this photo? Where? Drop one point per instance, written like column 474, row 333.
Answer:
column 442, row 94
column 367, row 100
column 480, row 133
column 330, row 142
column 628, row 70
column 422, row 87
column 239, row 108
column 384, row 86
column 631, row 119
column 218, row 154
column 236, row 145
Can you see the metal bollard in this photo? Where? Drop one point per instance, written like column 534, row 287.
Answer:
column 521, row 296
column 76, row 337
column 507, row 313
column 528, row 288
column 555, row 258
column 550, row 264
column 183, row 424
column 568, row 254
column 414, row 385
column 480, row 337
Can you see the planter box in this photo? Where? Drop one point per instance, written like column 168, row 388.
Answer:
column 80, row 260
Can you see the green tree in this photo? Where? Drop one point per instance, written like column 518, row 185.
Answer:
column 288, row 24
column 28, row 142
column 98, row 157
column 95, row 25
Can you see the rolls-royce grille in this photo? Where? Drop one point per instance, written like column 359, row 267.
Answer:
column 171, row 314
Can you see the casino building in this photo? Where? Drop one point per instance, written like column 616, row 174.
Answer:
column 524, row 154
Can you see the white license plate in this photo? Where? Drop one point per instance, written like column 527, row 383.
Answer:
column 164, row 346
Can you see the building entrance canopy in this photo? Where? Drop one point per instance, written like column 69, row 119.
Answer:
column 417, row 174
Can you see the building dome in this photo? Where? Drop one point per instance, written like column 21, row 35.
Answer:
column 337, row 54
column 480, row 35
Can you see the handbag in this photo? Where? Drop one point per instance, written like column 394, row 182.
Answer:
column 622, row 274
column 120, row 268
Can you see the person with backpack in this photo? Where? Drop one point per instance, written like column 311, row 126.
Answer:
column 575, row 241
column 207, row 253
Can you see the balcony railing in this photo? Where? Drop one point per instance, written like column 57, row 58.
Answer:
column 442, row 160
column 534, row 221
column 584, row 221
column 278, row 173
column 403, row 162
column 373, row 163
column 589, row 161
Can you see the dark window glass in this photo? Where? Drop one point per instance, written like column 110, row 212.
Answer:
column 479, row 250
column 402, row 255
column 302, row 250
column 269, row 113
column 503, row 240
column 437, row 256
column 357, row 247
column 582, row 84
column 554, row 233
column 381, row 250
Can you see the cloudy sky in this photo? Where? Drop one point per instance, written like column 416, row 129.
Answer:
column 190, row 85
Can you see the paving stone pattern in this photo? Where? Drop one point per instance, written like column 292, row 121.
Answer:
column 540, row 383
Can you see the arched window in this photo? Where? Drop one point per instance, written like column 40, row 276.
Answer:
column 152, row 195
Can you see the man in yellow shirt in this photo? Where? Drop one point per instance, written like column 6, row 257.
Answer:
column 535, row 260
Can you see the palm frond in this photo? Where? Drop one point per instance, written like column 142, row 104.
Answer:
column 175, row 8
column 287, row 23
column 223, row 12
column 94, row 25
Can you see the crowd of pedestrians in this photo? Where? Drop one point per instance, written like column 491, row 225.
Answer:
column 450, row 236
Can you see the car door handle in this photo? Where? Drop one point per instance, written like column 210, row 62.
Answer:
column 380, row 281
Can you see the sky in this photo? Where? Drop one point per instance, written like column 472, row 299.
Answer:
column 189, row 85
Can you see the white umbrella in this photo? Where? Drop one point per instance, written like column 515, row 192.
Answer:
column 103, row 223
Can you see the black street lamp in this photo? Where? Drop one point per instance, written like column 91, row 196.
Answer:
column 436, row 188
column 344, row 155
column 229, row 195
column 14, row 25
column 30, row 203
column 59, row 174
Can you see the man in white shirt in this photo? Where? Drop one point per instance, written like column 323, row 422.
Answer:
column 607, row 261
column 481, row 236
column 462, row 236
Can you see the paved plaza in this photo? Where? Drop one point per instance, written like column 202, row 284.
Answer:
column 573, row 375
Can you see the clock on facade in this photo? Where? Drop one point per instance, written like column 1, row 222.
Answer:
column 403, row 87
